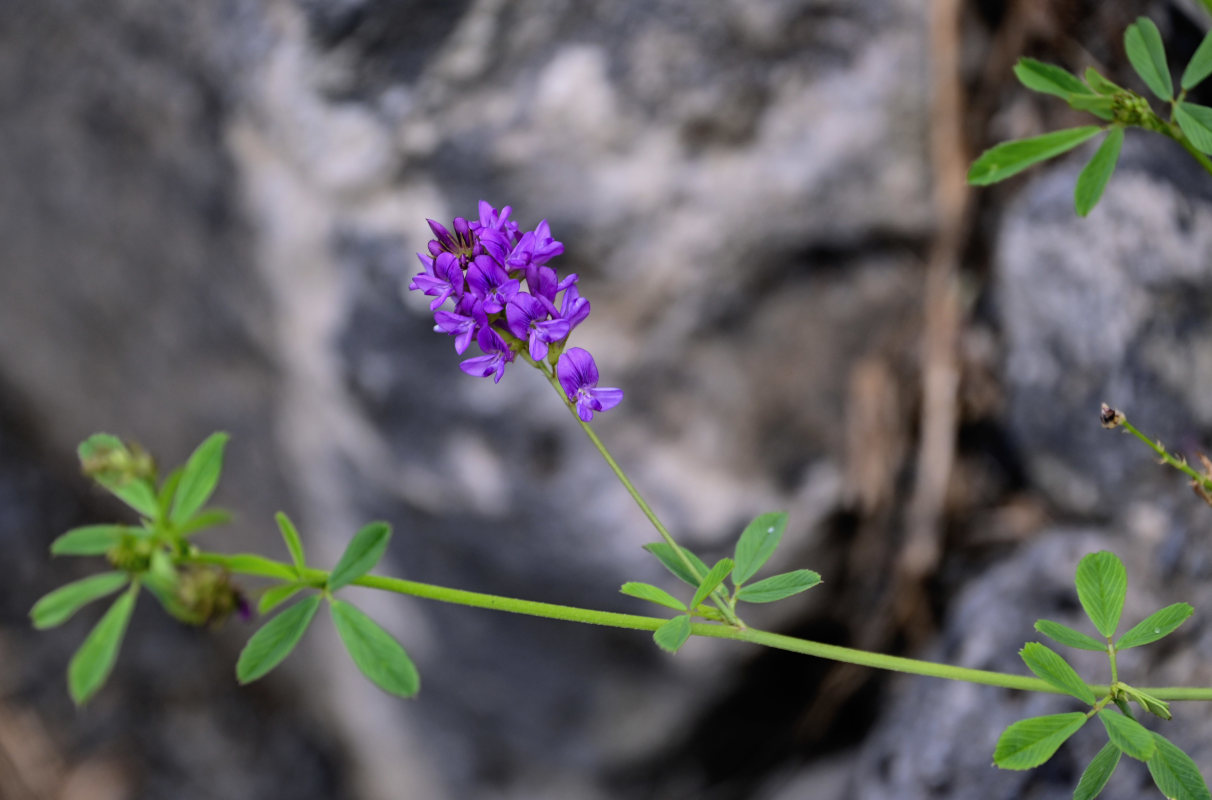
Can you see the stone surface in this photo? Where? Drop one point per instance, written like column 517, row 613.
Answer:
column 209, row 212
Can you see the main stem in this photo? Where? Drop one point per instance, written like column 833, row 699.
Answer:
column 313, row 577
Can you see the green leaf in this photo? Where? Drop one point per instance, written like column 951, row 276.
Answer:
column 276, row 596
column 1096, row 104
column 710, row 612
column 1143, row 43
column 666, row 556
column 711, row 581
column 210, row 518
column 251, row 564
column 1196, row 122
column 91, row 540
column 1128, row 735
column 1048, row 78
column 274, row 641
column 1175, row 773
column 1010, row 158
column 1098, row 773
column 1030, row 742
column 1148, row 702
column 294, row 544
column 653, row 594
column 59, row 606
column 757, row 544
column 1049, row 666
column 360, row 557
column 94, row 661
column 1094, row 176
column 168, row 489
column 1102, row 583
column 136, row 492
column 375, row 651
column 1067, row 636
column 1155, row 626
column 673, row 634
column 1200, row 65
column 199, row 478
column 778, row 587
column 1101, row 85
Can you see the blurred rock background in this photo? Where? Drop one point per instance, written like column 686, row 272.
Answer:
column 207, row 214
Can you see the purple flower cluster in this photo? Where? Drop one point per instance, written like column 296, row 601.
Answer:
column 508, row 299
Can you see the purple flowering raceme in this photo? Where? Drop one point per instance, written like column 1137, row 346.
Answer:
column 509, row 300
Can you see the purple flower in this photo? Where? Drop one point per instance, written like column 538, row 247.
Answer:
column 532, row 251
column 496, row 355
column 491, row 284
column 463, row 323
column 462, row 244
column 443, row 278
column 579, row 377
column 573, row 307
column 527, row 318
column 491, row 219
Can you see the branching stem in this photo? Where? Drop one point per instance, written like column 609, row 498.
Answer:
column 611, row 619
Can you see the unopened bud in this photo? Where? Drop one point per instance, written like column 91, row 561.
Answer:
column 1110, row 417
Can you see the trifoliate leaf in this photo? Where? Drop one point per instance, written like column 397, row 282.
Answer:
column 275, row 639
column 1200, row 65
column 673, row 634
column 1148, row 702
column 59, row 606
column 1048, row 78
column 757, row 543
column 1155, row 626
column 1010, row 158
column 199, row 478
column 168, row 490
column 290, row 534
column 666, row 555
column 90, row 540
column 714, row 577
column 1196, row 123
column 1100, row 84
column 210, row 518
column 252, row 564
column 1067, row 636
column 1097, row 104
column 1049, row 666
column 364, row 551
column 94, row 661
column 653, row 594
column 779, row 586
column 1102, row 583
column 376, row 652
column 1128, row 735
column 1094, row 176
column 1096, row 775
column 1175, row 773
column 1143, row 44
column 276, row 596
column 1030, row 742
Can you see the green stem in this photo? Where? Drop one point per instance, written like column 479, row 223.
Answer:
column 1179, row 464
column 1177, row 135
column 721, row 603
column 778, row 641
